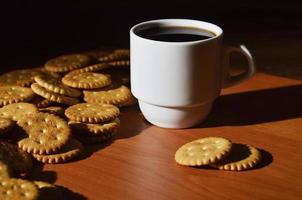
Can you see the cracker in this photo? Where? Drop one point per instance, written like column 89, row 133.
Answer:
column 17, row 159
column 119, row 63
column 203, row 151
column 16, row 111
column 55, row 110
column 5, row 125
column 95, row 54
column 92, row 113
column 87, row 129
column 91, row 68
column 97, row 138
column 48, row 191
column 114, row 57
column 21, row 77
column 242, row 157
column 130, row 102
column 18, row 189
column 122, row 51
column 66, row 153
column 67, row 63
column 101, row 66
column 14, row 94
column 116, row 97
column 5, row 170
column 46, row 133
column 53, row 96
column 86, row 80
column 56, row 86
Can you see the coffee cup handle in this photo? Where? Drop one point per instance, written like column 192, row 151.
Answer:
column 230, row 80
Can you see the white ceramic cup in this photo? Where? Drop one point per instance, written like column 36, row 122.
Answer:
column 176, row 82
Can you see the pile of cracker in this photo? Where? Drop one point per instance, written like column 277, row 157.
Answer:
column 218, row 152
column 47, row 113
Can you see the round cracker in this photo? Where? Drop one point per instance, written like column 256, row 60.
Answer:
column 14, row 94
column 46, row 133
column 242, row 157
column 17, row 159
column 86, row 80
column 48, row 191
column 87, row 129
column 66, row 153
column 114, row 57
column 122, row 51
column 116, row 96
column 6, row 125
column 21, row 77
column 56, row 86
column 53, row 96
column 67, row 63
column 92, row 113
column 91, row 68
column 16, row 111
column 17, row 189
column 119, row 63
column 203, row 151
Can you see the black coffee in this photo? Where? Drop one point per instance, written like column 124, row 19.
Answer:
column 175, row 34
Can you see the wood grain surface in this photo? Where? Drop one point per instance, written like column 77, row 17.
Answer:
column 265, row 112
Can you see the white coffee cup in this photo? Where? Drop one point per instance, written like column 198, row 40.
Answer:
column 176, row 82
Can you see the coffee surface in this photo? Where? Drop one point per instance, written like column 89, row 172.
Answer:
column 175, row 34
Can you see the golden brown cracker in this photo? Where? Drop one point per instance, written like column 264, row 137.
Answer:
column 46, row 133
column 242, row 157
column 86, row 80
column 116, row 97
column 18, row 189
column 53, row 96
column 203, row 151
column 14, row 94
column 92, row 113
column 67, row 63
column 87, row 129
column 20, row 77
column 56, row 86
column 16, row 111
column 66, row 153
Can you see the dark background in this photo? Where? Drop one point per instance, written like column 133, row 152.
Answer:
column 33, row 31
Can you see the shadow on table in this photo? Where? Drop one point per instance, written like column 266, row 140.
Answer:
column 91, row 148
column 37, row 174
column 266, row 159
column 256, row 107
column 132, row 122
column 68, row 194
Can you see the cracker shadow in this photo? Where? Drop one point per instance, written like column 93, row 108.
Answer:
column 90, row 149
column 256, row 107
column 37, row 174
column 132, row 122
column 266, row 159
column 69, row 194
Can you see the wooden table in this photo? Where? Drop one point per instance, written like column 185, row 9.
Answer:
column 265, row 111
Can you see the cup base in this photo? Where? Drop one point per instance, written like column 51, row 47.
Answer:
column 175, row 117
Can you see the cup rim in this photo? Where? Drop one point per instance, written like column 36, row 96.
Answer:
column 178, row 22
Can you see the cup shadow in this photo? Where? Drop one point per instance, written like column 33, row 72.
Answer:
column 256, row 107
